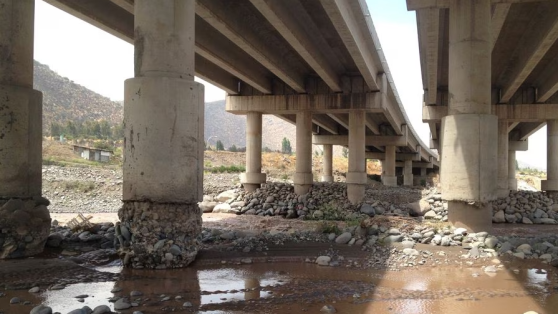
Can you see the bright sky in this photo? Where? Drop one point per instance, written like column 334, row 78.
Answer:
column 101, row 62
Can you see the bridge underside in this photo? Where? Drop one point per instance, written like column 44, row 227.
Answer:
column 315, row 63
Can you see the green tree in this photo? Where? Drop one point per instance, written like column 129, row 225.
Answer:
column 55, row 129
column 233, row 149
column 516, row 165
column 345, row 152
column 219, row 146
column 286, row 146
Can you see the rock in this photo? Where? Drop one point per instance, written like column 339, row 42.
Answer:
column 490, row 269
column 393, row 239
column 344, row 238
column 430, row 214
column 41, row 309
column 526, row 220
column 323, row 260
column 491, row 242
column 101, row 309
column 524, row 248
column 408, row 244
column 460, row 231
column 175, row 250
column 548, row 221
column 394, row 231
column 419, row 208
column 318, row 214
column 410, row 252
column 207, row 207
column 34, row 290
column 538, row 213
column 122, row 304
column 519, row 255
column 270, row 199
column 187, row 304
column 546, row 257
column 367, row 209
column 222, row 208
column 226, row 196
column 15, row 300
column 136, row 293
column 445, row 241
column 499, row 217
column 328, row 309
column 54, row 240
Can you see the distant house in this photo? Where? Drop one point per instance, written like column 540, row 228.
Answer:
column 93, row 154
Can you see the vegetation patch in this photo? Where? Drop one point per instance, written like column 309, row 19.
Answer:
column 81, row 186
column 227, row 169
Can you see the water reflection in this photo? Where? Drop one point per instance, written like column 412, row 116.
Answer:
column 298, row 287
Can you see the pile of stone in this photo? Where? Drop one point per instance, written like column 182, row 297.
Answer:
column 525, row 207
column 96, row 245
column 324, row 201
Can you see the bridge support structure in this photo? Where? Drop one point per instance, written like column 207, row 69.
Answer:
column 550, row 185
column 163, row 144
column 469, row 131
column 327, row 163
column 503, row 155
column 253, row 178
column 512, row 181
column 356, row 176
column 303, row 177
column 24, row 217
column 388, row 167
column 408, row 173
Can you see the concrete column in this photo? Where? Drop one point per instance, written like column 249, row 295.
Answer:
column 503, row 140
column 303, row 177
column 550, row 185
column 24, row 217
column 356, row 176
column 328, row 163
column 253, row 178
column 512, row 181
column 164, row 142
column 408, row 173
column 388, row 167
column 469, row 172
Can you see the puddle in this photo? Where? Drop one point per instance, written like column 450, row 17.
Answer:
column 302, row 287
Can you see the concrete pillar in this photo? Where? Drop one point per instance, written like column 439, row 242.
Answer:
column 512, row 181
column 388, row 167
column 327, row 164
column 356, row 176
column 253, row 178
column 303, row 177
column 24, row 217
column 503, row 140
column 164, row 142
column 550, row 185
column 408, row 173
column 469, row 172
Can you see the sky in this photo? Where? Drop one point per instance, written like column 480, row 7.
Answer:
column 102, row 62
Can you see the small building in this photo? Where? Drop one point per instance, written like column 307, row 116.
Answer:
column 93, row 154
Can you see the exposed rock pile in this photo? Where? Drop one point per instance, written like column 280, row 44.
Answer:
column 525, row 207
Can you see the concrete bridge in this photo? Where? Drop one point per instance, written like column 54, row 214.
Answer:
column 315, row 63
column 490, row 75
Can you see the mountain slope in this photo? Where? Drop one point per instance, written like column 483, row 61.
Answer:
column 64, row 100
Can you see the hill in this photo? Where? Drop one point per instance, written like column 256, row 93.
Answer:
column 64, row 100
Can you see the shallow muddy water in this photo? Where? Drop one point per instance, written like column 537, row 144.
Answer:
column 306, row 288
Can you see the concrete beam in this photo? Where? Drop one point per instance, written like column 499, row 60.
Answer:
column 103, row 14
column 433, row 130
column 416, row 164
column 216, row 48
column 547, row 82
column 499, row 14
column 512, row 126
column 432, row 32
column 285, row 104
column 292, row 21
column 413, row 5
column 373, row 140
column 398, row 156
column 127, row 5
column 525, row 130
column 372, row 125
column 512, row 113
column 535, row 45
column 246, row 38
column 343, row 121
column 326, row 123
column 521, row 146
column 216, row 76
column 358, row 41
